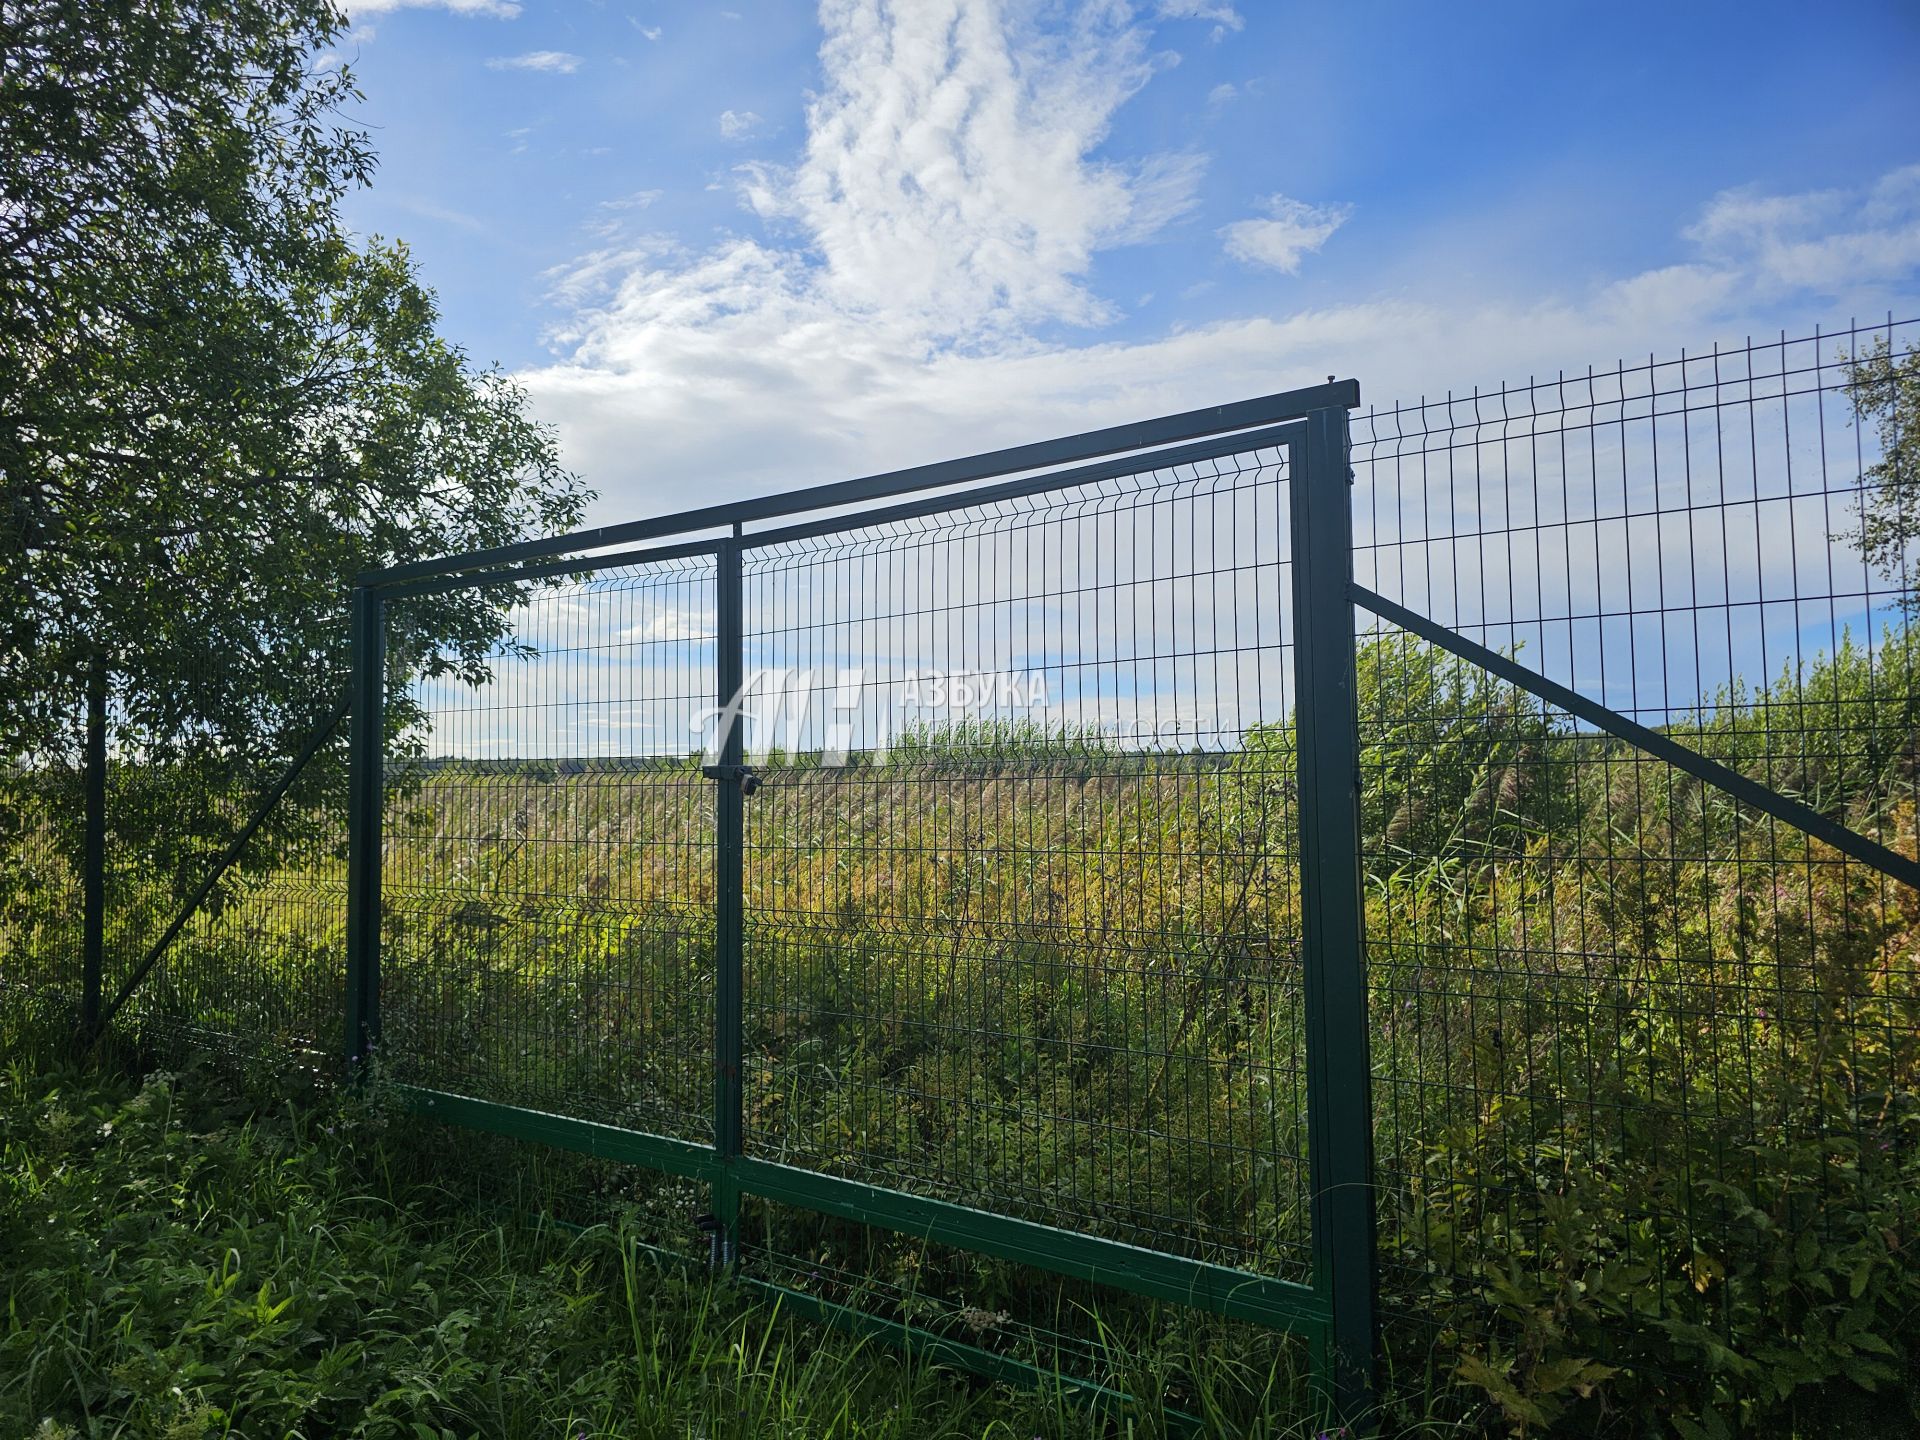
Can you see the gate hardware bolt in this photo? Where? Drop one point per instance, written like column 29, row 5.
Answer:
column 748, row 781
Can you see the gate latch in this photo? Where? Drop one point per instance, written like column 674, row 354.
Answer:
column 741, row 775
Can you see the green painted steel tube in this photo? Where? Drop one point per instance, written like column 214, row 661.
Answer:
column 1068, row 450
column 1332, row 920
column 1764, row 798
column 1238, row 1294
column 729, row 939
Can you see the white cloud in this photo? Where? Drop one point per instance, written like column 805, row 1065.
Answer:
column 946, row 184
column 1221, row 94
column 487, row 9
column 940, row 226
column 738, row 124
column 614, row 230
column 1292, row 230
column 1799, row 240
column 551, row 62
column 446, row 215
column 651, row 32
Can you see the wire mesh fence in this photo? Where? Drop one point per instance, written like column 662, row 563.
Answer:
column 1639, row 1044
column 237, row 951
column 253, row 968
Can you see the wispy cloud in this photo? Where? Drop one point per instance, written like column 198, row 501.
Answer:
column 935, row 244
column 1219, row 14
column 487, row 9
column 613, row 227
column 650, row 32
column 638, row 200
column 738, row 124
column 445, row 214
column 1291, row 231
column 1797, row 240
column 550, row 62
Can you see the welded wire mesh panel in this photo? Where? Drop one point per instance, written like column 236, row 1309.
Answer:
column 1021, row 908
column 256, row 968
column 547, row 883
column 1640, row 1052
column 40, row 940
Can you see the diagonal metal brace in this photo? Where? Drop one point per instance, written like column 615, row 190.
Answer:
column 1768, row 801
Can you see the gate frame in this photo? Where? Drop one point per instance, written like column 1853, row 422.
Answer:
column 1335, row 1311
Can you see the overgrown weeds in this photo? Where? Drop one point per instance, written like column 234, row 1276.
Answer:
column 183, row 1258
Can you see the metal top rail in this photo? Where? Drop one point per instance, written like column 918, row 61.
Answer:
column 1117, row 439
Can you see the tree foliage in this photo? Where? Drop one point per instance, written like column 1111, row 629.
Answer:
column 1886, row 390
column 217, row 406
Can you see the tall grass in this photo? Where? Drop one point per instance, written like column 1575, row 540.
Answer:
column 178, row 1262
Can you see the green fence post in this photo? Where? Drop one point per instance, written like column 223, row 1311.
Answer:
column 730, row 878
column 1339, row 1070
column 93, row 868
column 365, row 801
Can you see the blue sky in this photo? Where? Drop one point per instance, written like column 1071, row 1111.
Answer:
column 734, row 247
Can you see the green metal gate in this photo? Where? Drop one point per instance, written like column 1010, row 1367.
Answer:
column 1061, row 963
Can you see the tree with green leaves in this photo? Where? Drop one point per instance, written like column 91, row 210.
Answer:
column 217, row 405
column 1886, row 391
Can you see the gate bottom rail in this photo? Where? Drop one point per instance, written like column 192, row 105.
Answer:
column 1220, row 1289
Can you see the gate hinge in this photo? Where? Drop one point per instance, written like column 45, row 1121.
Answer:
column 742, row 775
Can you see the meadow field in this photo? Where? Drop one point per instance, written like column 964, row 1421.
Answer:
column 1644, row 1063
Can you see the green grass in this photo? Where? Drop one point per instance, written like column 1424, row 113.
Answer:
column 177, row 1262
